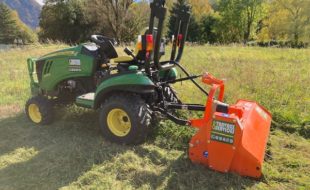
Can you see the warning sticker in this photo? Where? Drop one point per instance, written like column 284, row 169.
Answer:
column 75, row 65
column 223, row 132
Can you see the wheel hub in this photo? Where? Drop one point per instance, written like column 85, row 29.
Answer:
column 119, row 122
column 34, row 113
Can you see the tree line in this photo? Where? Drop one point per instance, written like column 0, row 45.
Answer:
column 257, row 22
column 73, row 21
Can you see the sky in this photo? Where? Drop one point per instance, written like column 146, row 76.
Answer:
column 40, row 2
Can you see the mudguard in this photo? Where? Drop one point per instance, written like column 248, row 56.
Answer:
column 136, row 82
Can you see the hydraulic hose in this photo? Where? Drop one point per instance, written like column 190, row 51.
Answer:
column 196, row 84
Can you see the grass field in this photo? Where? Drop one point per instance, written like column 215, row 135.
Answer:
column 72, row 154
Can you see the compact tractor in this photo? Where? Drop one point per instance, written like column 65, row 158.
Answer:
column 131, row 91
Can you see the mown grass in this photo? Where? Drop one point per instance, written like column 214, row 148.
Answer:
column 71, row 153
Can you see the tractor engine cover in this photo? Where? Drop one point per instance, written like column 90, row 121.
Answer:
column 233, row 141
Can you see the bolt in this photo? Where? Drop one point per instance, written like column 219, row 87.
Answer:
column 209, row 141
column 191, row 145
column 233, row 147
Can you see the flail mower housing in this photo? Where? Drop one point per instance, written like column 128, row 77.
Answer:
column 131, row 91
column 230, row 138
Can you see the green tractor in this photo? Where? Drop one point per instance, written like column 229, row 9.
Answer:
column 131, row 91
column 128, row 90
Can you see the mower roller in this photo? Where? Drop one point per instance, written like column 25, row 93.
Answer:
column 132, row 92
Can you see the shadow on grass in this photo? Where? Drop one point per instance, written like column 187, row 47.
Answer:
column 73, row 145
column 182, row 174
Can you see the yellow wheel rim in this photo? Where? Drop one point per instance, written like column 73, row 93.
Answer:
column 119, row 122
column 34, row 113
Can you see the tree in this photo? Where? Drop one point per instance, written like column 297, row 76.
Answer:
column 8, row 28
column 238, row 19
column 208, row 24
column 288, row 20
column 252, row 10
column 200, row 8
column 114, row 12
column 193, row 29
column 137, row 20
column 73, row 21
column 12, row 28
column 24, row 33
column 66, row 21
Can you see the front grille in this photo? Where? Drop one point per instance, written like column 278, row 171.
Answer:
column 39, row 69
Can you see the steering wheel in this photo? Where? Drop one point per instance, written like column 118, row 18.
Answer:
column 99, row 39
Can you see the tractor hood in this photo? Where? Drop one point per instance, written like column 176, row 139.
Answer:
column 86, row 49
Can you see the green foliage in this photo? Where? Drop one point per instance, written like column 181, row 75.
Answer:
column 137, row 19
column 288, row 21
column 74, row 21
column 28, row 10
column 12, row 30
column 8, row 26
column 238, row 19
column 234, row 21
column 64, row 21
column 194, row 29
column 284, row 22
column 26, row 34
column 200, row 8
column 208, row 32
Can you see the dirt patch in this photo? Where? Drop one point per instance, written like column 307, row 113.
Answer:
column 9, row 110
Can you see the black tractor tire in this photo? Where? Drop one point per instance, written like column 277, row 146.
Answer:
column 39, row 110
column 170, row 94
column 133, row 112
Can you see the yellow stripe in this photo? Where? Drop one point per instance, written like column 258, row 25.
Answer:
column 231, row 136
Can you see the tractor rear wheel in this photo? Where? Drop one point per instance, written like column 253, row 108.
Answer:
column 125, row 118
column 39, row 110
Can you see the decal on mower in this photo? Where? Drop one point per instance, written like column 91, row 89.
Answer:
column 223, row 132
column 75, row 65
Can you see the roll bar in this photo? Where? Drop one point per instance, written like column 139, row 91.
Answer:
column 158, row 11
column 180, row 32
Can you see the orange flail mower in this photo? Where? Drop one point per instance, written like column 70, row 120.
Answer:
column 230, row 138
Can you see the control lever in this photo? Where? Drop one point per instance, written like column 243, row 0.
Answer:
column 129, row 52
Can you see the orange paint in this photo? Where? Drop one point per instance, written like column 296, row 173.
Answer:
column 233, row 141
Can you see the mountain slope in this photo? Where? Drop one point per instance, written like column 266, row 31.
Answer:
column 28, row 10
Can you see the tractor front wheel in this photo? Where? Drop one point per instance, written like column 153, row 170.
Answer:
column 125, row 119
column 39, row 110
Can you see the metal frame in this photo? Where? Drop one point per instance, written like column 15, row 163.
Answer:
column 158, row 13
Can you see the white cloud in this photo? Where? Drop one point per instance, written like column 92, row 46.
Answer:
column 40, row 2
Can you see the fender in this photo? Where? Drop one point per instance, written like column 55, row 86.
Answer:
column 135, row 82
